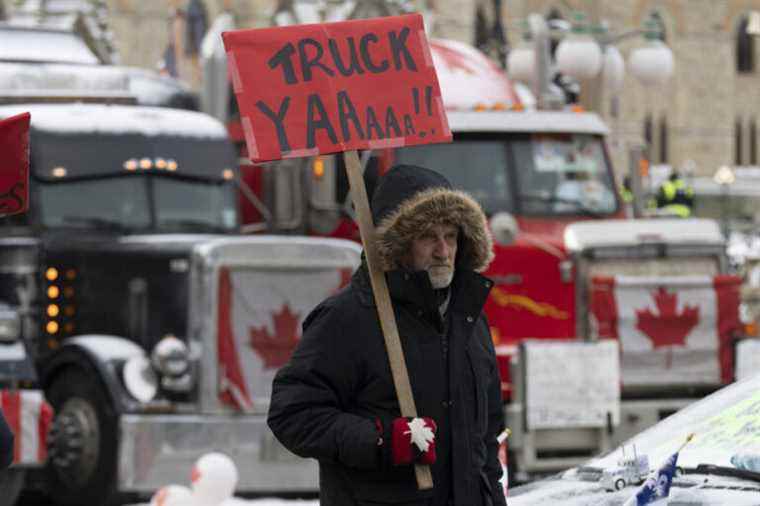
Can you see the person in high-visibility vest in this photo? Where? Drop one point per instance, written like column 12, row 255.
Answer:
column 676, row 196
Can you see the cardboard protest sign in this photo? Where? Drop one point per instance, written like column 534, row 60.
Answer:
column 14, row 164
column 323, row 88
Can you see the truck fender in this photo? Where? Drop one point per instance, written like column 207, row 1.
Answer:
column 102, row 354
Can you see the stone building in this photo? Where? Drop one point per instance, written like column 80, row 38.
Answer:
column 707, row 113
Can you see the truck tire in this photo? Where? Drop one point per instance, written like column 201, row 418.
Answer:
column 82, row 446
column 11, row 483
column 619, row 484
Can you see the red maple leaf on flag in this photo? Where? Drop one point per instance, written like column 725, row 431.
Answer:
column 668, row 327
column 275, row 349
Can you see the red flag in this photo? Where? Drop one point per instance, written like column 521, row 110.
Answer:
column 14, row 164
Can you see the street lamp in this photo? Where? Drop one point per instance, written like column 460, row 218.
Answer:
column 584, row 53
column 578, row 54
column 725, row 177
column 652, row 64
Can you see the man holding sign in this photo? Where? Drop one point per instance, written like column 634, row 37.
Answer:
column 408, row 332
column 334, row 401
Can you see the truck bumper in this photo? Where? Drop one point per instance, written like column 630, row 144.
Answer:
column 542, row 452
column 158, row 450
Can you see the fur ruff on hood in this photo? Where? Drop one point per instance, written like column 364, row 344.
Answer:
column 434, row 206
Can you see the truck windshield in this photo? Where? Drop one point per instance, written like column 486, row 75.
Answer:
column 140, row 203
column 529, row 174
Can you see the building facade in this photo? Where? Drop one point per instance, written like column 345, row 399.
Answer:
column 704, row 117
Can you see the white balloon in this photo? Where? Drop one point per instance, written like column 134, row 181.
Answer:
column 172, row 495
column 579, row 56
column 652, row 64
column 214, row 478
column 613, row 70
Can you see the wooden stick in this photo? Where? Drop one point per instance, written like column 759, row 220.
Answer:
column 383, row 302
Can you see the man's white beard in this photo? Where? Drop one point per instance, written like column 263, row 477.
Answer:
column 441, row 278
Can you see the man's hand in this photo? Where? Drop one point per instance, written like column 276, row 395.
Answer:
column 413, row 441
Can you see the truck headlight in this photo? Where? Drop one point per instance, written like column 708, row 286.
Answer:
column 10, row 325
column 170, row 357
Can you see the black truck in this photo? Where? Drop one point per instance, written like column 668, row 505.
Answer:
column 154, row 328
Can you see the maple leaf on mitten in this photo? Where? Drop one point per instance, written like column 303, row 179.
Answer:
column 421, row 435
column 413, row 440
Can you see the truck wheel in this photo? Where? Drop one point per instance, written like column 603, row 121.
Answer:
column 619, row 484
column 81, row 466
column 11, row 483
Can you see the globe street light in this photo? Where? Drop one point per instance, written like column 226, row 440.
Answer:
column 578, row 55
column 652, row 63
column 583, row 54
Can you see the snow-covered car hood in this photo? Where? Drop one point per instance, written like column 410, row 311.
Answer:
column 691, row 491
column 726, row 433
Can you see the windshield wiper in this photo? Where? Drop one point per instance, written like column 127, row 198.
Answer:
column 193, row 225
column 96, row 222
column 550, row 199
column 730, row 472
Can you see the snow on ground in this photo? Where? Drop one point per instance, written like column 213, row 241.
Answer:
column 265, row 502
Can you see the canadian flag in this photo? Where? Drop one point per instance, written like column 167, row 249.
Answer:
column 14, row 164
column 29, row 417
column 259, row 325
column 672, row 330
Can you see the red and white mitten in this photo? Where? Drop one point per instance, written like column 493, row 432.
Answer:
column 413, row 440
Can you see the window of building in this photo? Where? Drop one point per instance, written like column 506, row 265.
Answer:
column 490, row 34
column 745, row 48
column 663, row 140
column 649, row 136
column 738, row 144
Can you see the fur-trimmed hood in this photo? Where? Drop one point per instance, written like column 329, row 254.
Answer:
column 409, row 199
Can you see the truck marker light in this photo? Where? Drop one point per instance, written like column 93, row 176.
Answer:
column 68, row 311
column 53, row 310
column 51, row 274
column 58, row 172
column 51, row 327
column 146, row 163
column 68, row 328
column 318, row 168
column 68, row 292
column 71, row 274
column 161, row 163
column 53, row 292
column 228, row 174
column 53, row 344
column 130, row 164
column 171, row 165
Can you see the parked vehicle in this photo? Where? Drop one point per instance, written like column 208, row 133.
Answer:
column 720, row 466
column 154, row 327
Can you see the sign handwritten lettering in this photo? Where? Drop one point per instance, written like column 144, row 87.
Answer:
column 324, row 88
column 14, row 164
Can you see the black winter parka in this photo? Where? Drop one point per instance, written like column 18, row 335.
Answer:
column 327, row 401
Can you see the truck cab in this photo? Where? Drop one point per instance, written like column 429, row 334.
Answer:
column 155, row 328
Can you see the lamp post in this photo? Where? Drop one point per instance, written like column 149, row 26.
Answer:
column 585, row 53
column 725, row 177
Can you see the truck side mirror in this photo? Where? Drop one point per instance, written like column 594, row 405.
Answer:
column 503, row 228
